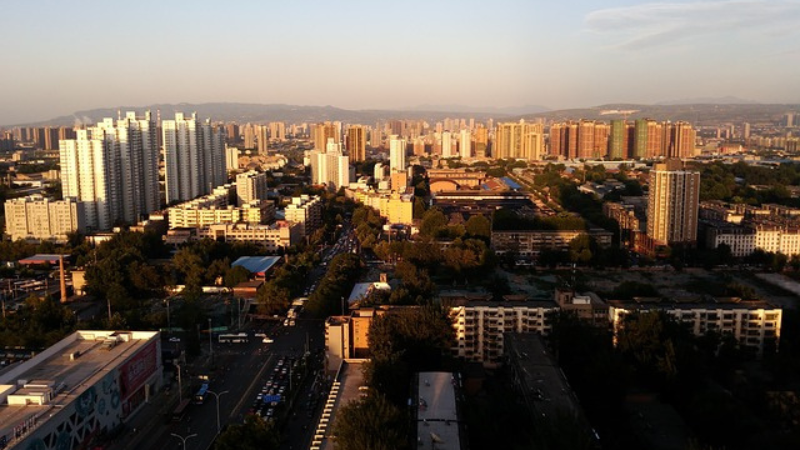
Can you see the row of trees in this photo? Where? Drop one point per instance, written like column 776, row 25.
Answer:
column 334, row 288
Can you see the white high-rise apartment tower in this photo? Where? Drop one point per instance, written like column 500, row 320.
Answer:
column 330, row 167
column 465, row 144
column 447, row 145
column 397, row 153
column 194, row 156
column 87, row 175
column 114, row 169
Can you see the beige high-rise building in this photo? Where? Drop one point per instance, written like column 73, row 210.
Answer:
column 356, row 143
column 39, row 218
column 249, row 132
column 277, row 131
column 262, row 136
column 323, row 132
column 673, row 203
column 519, row 141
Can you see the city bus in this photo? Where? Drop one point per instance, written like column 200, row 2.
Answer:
column 240, row 338
column 200, row 397
column 180, row 411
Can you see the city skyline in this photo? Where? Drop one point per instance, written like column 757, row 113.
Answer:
column 66, row 58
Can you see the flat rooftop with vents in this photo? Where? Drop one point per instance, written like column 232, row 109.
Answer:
column 88, row 382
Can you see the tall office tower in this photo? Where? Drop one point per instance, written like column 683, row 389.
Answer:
column 249, row 132
column 788, row 119
column 250, row 186
column 673, row 203
column 439, row 127
column 88, row 175
column 65, row 133
column 323, row 132
column 465, row 143
column 447, row 145
column 601, row 133
column 419, row 146
column 50, row 138
column 397, row 154
column 682, row 139
column 375, row 137
column 640, row 135
column 564, row 139
column 586, row 139
column 331, row 168
column 232, row 133
column 231, row 158
column 519, row 140
column 356, row 143
column 746, row 130
column 262, row 138
column 655, row 139
column 471, row 123
column 194, row 156
column 277, row 131
column 618, row 140
column 481, row 141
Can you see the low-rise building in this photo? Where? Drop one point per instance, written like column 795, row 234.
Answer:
column 257, row 212
column 480, row 325
column 282, row 234
column 305, row 211
column 88, row 382
column 38, row 218
column 741, row 239
column 396, row 208
column 754, row 324
column 528, row 243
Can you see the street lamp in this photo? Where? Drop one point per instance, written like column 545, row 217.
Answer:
column 210, row 341
column 169, row 323
column 180, row 386
column 217, row 396
column 184, row 439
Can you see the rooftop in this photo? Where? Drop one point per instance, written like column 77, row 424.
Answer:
column 63, row 372
column 257, row 264
column 346, row 389
column 541, row 379
column 362, row 290
column 690, row 302
column 437, row 414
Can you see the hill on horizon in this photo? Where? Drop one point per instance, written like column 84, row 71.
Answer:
column 696, row 113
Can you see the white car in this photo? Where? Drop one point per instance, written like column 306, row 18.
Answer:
column 267, row 340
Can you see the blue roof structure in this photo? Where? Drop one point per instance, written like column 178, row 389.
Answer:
column 511, row 183
column 258, row 265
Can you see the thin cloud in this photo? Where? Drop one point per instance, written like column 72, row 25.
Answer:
column 655, row 24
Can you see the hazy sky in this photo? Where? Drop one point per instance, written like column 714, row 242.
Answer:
column 62, row 56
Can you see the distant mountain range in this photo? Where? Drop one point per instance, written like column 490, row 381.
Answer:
column 728, row 100
column 697, row 113
column 507, row 111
